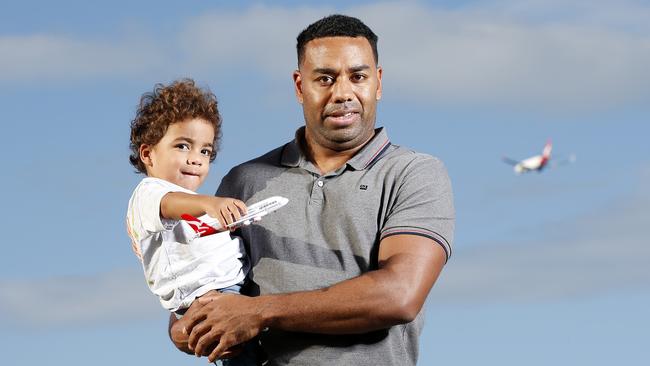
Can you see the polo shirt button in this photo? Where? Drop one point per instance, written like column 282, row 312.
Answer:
column 320, row 183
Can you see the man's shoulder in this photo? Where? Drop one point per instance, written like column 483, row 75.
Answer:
column 269, row 160
column 246, row 178
column 402, row 157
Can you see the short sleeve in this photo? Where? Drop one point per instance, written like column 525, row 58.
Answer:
column 423, row 203
column 144, row 206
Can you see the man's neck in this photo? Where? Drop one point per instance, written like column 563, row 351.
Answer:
column 325, row 159
column 328, row 160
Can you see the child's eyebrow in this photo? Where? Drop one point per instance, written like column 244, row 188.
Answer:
column 191, row 141
column 183, row 139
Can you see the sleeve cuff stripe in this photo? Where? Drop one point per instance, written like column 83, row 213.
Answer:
column 427, row 234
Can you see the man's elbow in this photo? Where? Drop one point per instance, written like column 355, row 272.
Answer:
column 404, row 309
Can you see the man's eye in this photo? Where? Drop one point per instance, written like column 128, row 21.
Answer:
column 358, row 77
column 325, row 80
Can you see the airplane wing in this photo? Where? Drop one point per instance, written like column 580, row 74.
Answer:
column 563, row 161
column 570, row 160
column 507, row 160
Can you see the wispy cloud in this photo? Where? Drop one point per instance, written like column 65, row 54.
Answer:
column 511, row 52
column 46, row 58
column 66, row 301
column 261, row 39
column 597, row 253
column 514, row 52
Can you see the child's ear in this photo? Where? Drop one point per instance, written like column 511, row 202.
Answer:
column 145, row 154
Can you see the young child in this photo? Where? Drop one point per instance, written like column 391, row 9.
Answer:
column 174, row 138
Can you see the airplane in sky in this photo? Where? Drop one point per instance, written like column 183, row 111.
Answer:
column 254, row 213
column 535, row 163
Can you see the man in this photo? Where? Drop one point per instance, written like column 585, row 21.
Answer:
column 339, row 275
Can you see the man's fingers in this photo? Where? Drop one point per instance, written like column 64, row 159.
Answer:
column 197, row 332
column 225, row 343
column 192, row 321
column 205, row 341
column 232, row 351
column 191, row 317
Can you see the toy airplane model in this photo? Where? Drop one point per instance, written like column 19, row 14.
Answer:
column 537, row 162
column 254, row 212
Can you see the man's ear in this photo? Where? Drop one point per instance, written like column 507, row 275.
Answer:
column 297, row 85
column 380, row 72
column 145, row 155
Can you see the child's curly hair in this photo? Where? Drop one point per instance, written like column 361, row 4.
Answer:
column 177, row 102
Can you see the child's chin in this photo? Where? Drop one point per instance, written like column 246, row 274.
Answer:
column 191, row 182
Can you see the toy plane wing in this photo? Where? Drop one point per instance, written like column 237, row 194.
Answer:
column 254, row 212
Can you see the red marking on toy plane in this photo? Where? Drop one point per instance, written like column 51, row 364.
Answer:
column 199, row 226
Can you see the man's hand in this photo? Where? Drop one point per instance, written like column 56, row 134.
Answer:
column 221, row 321
column 393, row 294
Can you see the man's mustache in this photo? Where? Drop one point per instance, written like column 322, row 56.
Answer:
column 338, row 108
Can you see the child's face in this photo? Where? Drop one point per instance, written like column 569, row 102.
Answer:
column 182, row 156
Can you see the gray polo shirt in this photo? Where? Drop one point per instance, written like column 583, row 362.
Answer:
column 330, row 231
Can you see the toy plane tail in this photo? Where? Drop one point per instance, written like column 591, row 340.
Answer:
column 200, row 227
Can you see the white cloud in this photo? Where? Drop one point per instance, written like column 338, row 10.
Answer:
column 48, row 57
column 603, row 251
column 258, row 40
column 505, row 54
column 66, row 301
column 548, row 53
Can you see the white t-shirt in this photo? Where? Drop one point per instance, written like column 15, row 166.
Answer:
column 179, row 265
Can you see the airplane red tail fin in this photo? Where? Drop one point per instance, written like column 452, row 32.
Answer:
column 547, row 149
column 198, row 226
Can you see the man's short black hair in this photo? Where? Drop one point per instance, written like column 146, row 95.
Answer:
column 336, row 25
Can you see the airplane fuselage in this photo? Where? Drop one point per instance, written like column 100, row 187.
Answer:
column 537, row 162
column 254, row 212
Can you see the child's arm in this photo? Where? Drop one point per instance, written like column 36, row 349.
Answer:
column 225, row 210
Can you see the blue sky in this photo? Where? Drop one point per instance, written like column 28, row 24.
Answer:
column 548, row 268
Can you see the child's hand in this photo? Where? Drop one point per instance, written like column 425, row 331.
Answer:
column 225, row 210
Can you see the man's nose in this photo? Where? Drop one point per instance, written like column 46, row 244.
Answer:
column 342, row 91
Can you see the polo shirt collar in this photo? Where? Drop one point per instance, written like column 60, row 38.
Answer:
column 292, row 155
column 371, row 151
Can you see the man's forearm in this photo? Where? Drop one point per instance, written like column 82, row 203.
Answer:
column 390, row 295
column 378, row 299
column 355, row 306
